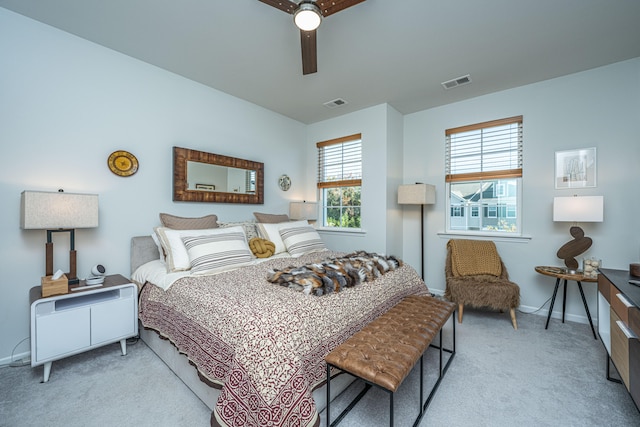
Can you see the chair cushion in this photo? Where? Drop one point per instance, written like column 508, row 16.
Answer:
column 473, row 257
column 483, row 291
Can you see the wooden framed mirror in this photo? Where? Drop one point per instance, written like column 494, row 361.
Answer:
column 199, row 176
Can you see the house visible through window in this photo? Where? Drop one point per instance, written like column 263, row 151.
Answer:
column 484, row 177
column 340, row 181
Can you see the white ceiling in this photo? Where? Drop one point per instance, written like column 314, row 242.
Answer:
column 375, row 52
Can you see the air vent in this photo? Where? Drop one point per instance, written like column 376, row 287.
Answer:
column 339, row 102
column 459, row 81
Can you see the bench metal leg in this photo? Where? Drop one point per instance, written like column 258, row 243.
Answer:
column 421, row 382
column 423, row 407
column 328, row 395
column 442, row 368
column 349, row 407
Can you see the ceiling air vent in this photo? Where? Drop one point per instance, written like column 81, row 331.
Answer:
column 339, row 102
column 459, row 81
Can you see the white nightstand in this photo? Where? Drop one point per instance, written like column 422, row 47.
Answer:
column 64, row 325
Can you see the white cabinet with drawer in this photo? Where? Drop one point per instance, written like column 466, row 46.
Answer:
column 65, row 325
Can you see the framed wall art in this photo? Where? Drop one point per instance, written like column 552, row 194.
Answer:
column 576, row 168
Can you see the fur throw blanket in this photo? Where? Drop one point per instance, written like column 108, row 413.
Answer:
column 473, row 257
column 333, row 274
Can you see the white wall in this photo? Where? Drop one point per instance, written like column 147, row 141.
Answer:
column 381, row 127
column 597, row 108
column 65, row 105
column 394, row 173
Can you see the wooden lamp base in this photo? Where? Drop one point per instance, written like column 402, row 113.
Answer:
column 71, row 275
column 573, row 248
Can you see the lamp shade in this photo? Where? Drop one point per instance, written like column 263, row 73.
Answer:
column 303, row 210
column 578, row 209
column 49, row 211
column 416, row 194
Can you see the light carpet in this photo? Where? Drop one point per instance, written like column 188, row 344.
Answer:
column 499, row 377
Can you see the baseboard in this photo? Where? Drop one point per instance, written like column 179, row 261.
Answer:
column 558, row 315
column 5, row 361
column 542, row 312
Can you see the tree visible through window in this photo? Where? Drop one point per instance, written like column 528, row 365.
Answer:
column 340, row 181
column 484, row 176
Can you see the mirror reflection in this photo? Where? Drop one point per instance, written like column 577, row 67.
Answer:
column 206, row 177
column 199, row 176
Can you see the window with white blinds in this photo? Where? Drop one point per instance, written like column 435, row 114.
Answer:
column 250, row 182
column 340, row 162
column 485, row 150
column 340, row 181
column 483, row 167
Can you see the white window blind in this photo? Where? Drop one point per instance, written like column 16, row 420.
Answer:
column 250, row 181
column 340, row 162
column 486, row 150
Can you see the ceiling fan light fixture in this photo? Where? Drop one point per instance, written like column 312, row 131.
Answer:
column 307, row 16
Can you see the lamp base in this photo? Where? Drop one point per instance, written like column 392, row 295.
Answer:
column 573, row 248
column 71, row 275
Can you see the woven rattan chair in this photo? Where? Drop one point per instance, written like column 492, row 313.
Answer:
column 477, row 277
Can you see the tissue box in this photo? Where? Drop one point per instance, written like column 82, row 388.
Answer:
column 54, row 287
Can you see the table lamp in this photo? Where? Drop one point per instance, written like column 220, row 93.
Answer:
column 58, row 212
column 576, row 209
column 303, row 210
column 418, row 194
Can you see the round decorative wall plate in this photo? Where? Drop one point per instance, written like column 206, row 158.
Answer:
column 123, row 163
column 284, row 182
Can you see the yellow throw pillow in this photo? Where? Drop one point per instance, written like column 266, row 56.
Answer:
column 262, row 248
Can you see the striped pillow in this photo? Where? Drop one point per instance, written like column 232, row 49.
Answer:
column 218, row 252
column 177, row 257
column 301, row 240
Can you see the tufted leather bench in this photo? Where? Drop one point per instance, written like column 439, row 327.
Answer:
column 384, row 351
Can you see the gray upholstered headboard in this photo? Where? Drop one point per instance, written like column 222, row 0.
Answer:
column 143, row 250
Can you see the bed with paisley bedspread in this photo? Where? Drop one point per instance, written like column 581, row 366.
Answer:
column 263, row 344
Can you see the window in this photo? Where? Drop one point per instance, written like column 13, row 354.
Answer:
column 484, row 174
column 340, row 181
column 457, row 211
column 250, row 182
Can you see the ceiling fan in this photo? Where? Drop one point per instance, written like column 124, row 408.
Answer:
column 307, row 16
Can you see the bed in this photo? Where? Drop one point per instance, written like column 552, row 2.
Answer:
column 257, row 347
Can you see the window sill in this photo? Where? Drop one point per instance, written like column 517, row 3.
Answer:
column 335, row 230
column 485, row 236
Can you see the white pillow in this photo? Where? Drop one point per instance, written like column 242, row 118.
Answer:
column 271, row 232
column 154, row 236
column 218, row 252
column 301, row 240
column 177, row 257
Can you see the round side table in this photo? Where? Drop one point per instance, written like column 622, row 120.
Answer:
column 561, row 274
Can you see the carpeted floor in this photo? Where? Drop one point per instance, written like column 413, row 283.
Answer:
column 499, row 377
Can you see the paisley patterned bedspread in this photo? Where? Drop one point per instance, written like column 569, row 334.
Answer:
column 262, row 343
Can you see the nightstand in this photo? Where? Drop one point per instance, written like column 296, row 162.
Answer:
column 83, row 319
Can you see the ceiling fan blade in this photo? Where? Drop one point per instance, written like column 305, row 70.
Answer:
column 333, row 6
column 284, row 5
column 309, row 52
